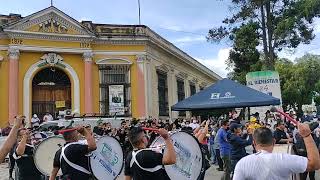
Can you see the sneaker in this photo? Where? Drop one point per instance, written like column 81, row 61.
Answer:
column 10, row 178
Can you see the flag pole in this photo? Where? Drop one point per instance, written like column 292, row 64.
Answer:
column 139, row 12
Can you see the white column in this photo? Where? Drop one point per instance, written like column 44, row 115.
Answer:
column 172, row 93
column 187, row 94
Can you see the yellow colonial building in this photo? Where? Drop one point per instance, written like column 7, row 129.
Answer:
column 49, row 62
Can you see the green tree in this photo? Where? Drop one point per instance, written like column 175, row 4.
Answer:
column 279, row 24
column 299, row 81
column 244, row 56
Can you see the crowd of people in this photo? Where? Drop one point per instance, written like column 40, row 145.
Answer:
column 225, row 142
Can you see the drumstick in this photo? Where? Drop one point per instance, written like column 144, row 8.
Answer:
column 66, row 130
column 274, row 109
column 150, row 129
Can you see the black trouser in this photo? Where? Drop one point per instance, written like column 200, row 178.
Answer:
column 303, row 176
column 233, row 164
column 12, row 162
column 220, row 162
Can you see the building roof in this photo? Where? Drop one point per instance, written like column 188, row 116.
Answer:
column 14, row 23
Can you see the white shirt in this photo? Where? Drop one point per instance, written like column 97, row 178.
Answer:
column 194, row 125
column 47, row 118
column 269, row 166
column 35, row 121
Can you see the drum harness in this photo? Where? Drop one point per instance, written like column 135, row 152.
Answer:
column 134, row 160
column 75, row 166
column 23, row 155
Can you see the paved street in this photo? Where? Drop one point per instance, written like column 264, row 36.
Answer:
column 211, row 174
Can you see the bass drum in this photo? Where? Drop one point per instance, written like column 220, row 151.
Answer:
column 107, row 160
column 285, row 149
column 45, row 152
column 189, row 163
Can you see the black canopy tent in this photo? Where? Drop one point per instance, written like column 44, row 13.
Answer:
column 225, row 94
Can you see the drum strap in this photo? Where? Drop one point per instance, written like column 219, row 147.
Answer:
column 75, row 166
column 134, row 160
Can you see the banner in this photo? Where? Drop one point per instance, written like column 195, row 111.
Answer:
column 267, row 82
column 116, row 99
column 60, row 104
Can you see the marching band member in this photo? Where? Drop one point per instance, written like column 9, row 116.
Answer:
column 11, row 139
column 72, row 157
column 144, row 163
column 24, row 158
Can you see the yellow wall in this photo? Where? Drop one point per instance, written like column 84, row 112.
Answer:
column 4, row 90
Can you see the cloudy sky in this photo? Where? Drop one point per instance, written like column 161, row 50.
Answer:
column 185, row 23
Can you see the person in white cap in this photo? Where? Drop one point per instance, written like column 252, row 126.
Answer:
column 35, row 121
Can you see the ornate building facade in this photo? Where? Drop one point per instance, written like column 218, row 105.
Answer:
column 49, row 62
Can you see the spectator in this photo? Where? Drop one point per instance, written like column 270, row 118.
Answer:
column 238, row 144
column 194, row 124
column 280, row 134
column 217, row 149
column 224, row 149
column 35, row 121
column 47, row 117
column 266, row 165
column 12, row 138
column 212, row 145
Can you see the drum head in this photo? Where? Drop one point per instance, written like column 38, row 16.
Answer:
column 282, row 148
column 189, row 156
column 45, row 152
column 107, row 160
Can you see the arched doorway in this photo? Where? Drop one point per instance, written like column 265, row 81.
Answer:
column 51, row 92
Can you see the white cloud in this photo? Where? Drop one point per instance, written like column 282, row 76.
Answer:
column 317, row 26
column 218, row 64
column 189, row 39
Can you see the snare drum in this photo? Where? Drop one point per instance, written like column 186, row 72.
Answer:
column 45, row 152
column 189, row 163
column 107, row 160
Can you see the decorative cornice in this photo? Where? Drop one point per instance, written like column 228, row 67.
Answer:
column 118, row 53
column 4, row 47
column 163, row 68
column 203, row 84
column 52, row 49
column 87, row 56
column 49, row 36
column 182, row 75
column 13, row 53
column 194, row 80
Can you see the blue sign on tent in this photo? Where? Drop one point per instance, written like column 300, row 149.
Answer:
column 225, row 94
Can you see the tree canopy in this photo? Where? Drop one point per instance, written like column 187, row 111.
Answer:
column 271, row 24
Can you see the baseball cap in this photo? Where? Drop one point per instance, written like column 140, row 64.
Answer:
column 234, row 126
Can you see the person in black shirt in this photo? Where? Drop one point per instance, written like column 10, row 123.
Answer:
column 280, row 135
column 12, row 162
column 142, row 163
column 24, row 158
column 74, row 162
